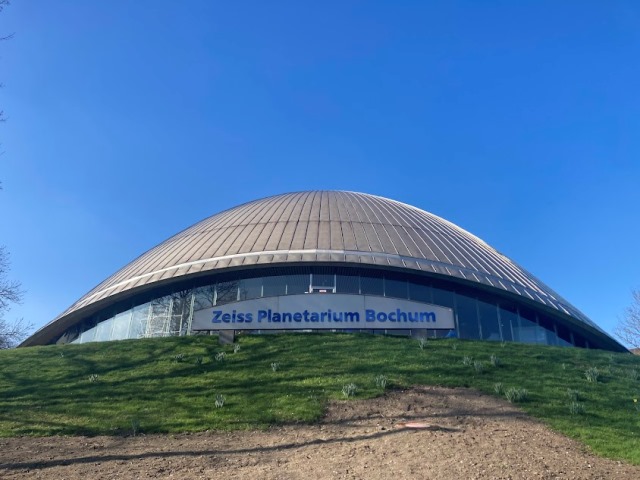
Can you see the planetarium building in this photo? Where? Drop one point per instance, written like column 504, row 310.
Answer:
column 325, row 260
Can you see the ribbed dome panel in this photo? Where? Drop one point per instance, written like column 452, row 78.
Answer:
column 328, row 226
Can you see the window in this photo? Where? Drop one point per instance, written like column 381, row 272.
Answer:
column 371, row 286
column 121, row 326
column 467, row 317
column 297, row 284
column 348, row 284
column 250, row 288
column 139, row 317
column 420, row 293
column 508, row 320
column 226, row 292
column 395, row 288
column 489, row 327
column 274, row 286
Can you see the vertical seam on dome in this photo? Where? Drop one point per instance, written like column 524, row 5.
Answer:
column 355, row 211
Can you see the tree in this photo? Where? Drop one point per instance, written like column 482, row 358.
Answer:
column 628, row 329
column 11, row 333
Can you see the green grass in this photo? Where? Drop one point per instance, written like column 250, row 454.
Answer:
column 160, row 386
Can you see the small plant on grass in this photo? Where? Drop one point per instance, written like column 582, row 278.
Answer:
column 381, row 381
column 349, row 390
column 516, row 395
column 135, row 426
column 467, row 360
column 633, row 374
column 495, row 361
column 498, row 388
column 93, row 378
column 236, row 347
column 454, row 347
column 199, row 361
column 219, row 402
column 275, row 366
column 422, row 343
column 576, row 408
column 178, row 357
column 478, row 366
column 592, row 374
column 220, row 356
column 574, row 395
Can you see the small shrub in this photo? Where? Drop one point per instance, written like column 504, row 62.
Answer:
column 592, row 374
column 236, row 348
column 422, row 343
column 574, row 395
column 515, row 395
column 576, row 408
column 381, row 381
column 199, row 361
column 349, row 390
column 93, row 378
column 495, row 361
column 467, row 360
column 178, row 357
column 220, row 356
column 478, row 366
column 454, row 346
column 219, row 402
column 498, row 388
column 135, row 426
column 275, row 366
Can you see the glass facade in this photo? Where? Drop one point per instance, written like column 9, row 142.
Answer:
column 477, row 315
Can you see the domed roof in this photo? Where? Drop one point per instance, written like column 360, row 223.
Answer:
column 327, row 226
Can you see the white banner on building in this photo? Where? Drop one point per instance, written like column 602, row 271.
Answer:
column 323, row 311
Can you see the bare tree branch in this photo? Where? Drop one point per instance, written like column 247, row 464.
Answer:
column 11, row 333
column 628, row 329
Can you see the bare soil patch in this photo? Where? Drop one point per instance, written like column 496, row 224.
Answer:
column 425, row 432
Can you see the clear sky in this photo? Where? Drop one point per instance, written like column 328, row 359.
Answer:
column 129, row 121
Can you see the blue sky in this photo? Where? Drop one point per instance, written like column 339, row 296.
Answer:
column 129, row 121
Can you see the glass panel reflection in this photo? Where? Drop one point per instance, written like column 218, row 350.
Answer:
column 395, row 288
column 297, row 284
column 103, row 332
column 121, row 326
column 489, row 321
column 420, row 293
column 348, row 284
column 250, row 288
column 371, row 286
column 274, row 286
column 467, row 317
column 139, row 317
column 226, row 292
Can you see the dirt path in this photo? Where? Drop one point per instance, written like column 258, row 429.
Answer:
column 468, row 436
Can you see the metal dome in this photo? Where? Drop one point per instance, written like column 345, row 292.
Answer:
column 329, row 227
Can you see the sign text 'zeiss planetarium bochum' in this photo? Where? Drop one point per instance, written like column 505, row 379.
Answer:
column 323, row 312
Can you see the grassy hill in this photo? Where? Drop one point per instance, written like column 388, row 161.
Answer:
column 186, row 384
